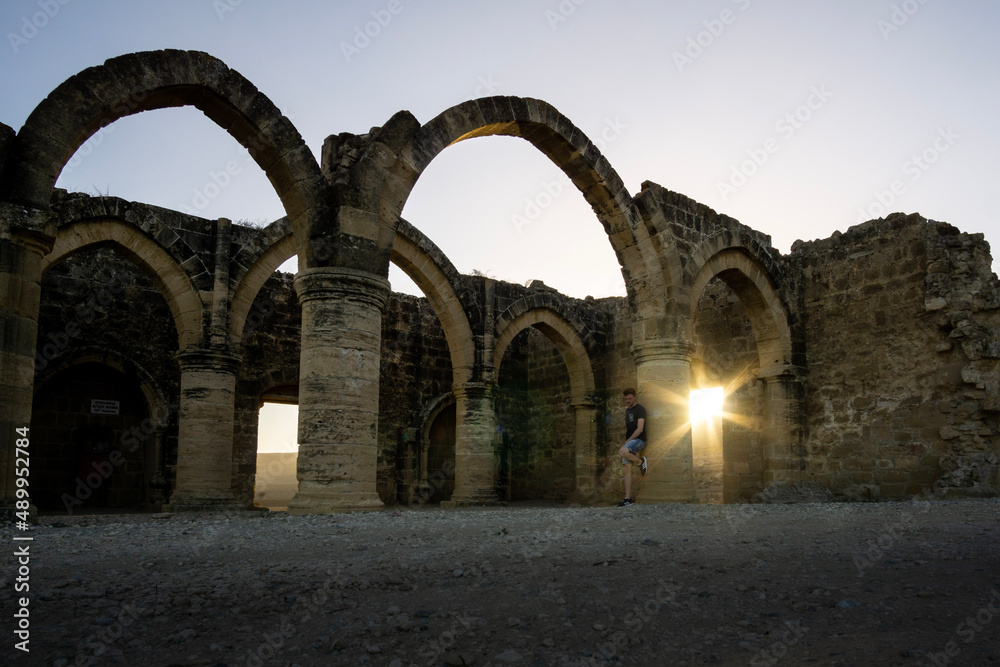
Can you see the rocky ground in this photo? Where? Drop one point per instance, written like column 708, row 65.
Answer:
column 827, row 584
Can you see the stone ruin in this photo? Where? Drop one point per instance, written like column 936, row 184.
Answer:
column 862, row 367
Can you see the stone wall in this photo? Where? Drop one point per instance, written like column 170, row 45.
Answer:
column 901, row 339
column 416, row 370
column 537, row 420
column 105, row 333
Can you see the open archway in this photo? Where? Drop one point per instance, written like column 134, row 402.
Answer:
column 551, row 389
column 150, row 80
column 558, row 139
column 744, row 339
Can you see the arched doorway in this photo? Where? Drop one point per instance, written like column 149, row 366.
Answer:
column 93, row 441
column 536, row 421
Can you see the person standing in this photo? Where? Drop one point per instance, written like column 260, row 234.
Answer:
column 636, row 436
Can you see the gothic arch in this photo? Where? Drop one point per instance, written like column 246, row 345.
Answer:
column 281, row 249
column 752, row 284
column 562, row 334
column 157, row 402
column 558, row 139
column 173, row 282
column 412, row 252
column 149, row 80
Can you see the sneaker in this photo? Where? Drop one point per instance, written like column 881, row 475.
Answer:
column 642, row 466
column 625, row 503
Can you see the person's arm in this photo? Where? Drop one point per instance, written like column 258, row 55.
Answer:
column 639, row 427
column 639, row 424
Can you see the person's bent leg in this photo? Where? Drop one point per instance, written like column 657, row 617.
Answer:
column 627, row 453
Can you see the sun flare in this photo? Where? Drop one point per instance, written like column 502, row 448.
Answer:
column 705, row 404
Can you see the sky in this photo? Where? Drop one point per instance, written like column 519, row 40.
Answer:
column 796, row 118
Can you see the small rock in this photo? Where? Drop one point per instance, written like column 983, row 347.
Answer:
column 510, row 655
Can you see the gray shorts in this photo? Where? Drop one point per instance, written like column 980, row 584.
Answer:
column 635, row 446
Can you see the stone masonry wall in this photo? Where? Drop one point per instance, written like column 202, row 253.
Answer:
column 899, row 337
column 416, row 369
column 901, row 340
column 98, row 306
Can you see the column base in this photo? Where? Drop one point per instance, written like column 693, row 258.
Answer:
column 192, row 501
column 479, row 497
column 325, row 500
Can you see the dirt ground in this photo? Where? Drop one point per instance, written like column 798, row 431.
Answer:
column 797, row 584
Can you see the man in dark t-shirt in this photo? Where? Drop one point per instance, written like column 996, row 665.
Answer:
column 636, row 437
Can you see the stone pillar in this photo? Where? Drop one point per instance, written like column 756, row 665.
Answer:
column 20, row 294
column 205, row 430
column 663, row 374
column 783, row 462
column 475, row 457
column 585, row 437
column 338, row 389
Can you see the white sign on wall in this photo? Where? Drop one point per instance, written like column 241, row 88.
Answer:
column 99, row 407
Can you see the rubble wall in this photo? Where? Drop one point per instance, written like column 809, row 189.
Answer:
column 901, row 339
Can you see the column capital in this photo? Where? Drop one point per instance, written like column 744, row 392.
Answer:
column 341, row 283
column 585, row 404
column 19, row 222
column 674, row 349
column 200, row 359
column 781, row 373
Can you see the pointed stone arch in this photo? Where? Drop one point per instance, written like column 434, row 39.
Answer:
column 540, row 124
column 416, row 255
column 782, row 430
column 756, row 291
column 558, row 329
column 144, row 81
column 172, row 281
column 568, row 339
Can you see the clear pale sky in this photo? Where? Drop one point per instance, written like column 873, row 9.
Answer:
column 680, row 93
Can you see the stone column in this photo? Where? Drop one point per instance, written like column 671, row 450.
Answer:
column 475, row 457
column 585, row 437
column 783, row 394
column 20, row 294
column 663, row 374
column 338, row 389
column 205, row 430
